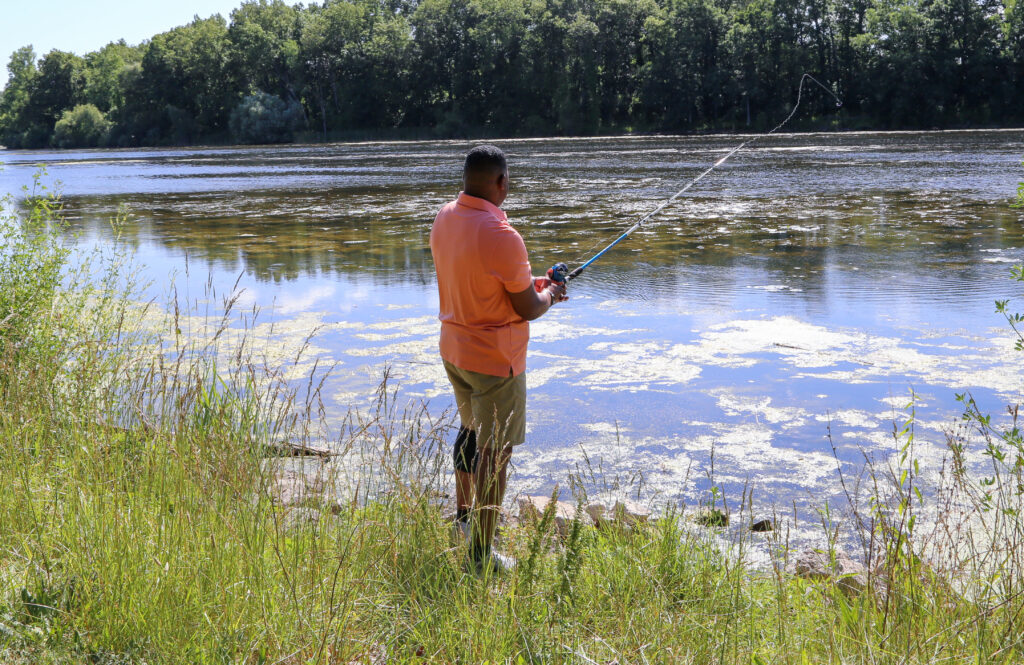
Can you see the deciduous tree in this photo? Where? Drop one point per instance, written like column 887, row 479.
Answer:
column 21, row 76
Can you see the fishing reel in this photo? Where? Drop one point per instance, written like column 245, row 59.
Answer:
column 558, row 272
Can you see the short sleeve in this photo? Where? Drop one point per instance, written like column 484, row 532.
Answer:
column 508, row 261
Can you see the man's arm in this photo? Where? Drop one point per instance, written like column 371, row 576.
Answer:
column 531, row 303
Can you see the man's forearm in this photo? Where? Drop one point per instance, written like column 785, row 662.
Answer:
column 531, row 304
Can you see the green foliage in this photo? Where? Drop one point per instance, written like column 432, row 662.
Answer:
column 1020, row 196
column 265, row 118
column 1014, row 319
column 14, row 120
column 264, row 47
column 511, row 67
column 60, row 85
column 37, row 97
column 84, row 126
column 185, row 83
column 109, row 75
column 32, row 262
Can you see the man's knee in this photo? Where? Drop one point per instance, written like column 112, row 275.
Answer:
column 465, row 453
column 505, row 455
column 493, row 461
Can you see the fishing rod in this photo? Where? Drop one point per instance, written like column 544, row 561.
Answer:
column 560, row 270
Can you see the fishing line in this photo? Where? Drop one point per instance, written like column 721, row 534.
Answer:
column 799, row 94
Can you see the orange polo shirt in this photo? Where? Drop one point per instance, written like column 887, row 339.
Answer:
column 478, row 257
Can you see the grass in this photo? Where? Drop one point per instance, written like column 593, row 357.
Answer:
column 139, row 521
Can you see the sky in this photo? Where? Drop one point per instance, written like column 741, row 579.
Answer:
column 81, row 26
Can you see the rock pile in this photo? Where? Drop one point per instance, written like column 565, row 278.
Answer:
column 624, row 513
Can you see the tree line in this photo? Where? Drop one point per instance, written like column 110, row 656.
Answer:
column 276, row 72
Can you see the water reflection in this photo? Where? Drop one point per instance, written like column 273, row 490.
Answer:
column 928, row 247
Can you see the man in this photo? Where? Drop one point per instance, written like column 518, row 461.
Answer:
column 488, row 295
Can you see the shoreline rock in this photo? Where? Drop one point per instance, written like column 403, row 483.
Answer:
column 292, row 449
column 840, row 568
column 531, row 508
column 712, row 518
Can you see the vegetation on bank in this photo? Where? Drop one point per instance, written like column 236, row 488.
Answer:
column 1020, row 194
column 140, row 525
column 444, row 68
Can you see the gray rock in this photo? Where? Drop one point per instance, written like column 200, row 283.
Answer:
column 531, row 509
column 712, row 517
column 624, row 514
column 631, row 513
column 598, row 512
column 294, row 449
column 292, row 488
column 847, row 574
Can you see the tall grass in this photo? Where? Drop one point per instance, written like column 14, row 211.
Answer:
column 140, row 522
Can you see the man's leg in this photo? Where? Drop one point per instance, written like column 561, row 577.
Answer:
column 464, row 489
column 465, row 458
column 499, row 410
column 464, row 453
column 491, row 481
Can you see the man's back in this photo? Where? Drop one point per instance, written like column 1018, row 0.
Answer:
column 479, row 259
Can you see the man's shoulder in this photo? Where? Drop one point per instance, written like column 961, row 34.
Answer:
column 499, row 236
column 446, row 209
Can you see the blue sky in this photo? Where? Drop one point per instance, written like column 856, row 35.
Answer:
column 81, row 26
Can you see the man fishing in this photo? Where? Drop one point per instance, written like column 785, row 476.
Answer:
column 487, row 296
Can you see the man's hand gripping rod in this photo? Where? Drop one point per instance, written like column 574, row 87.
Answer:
column 560, row 269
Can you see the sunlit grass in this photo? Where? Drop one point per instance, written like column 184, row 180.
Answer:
column 141, row 524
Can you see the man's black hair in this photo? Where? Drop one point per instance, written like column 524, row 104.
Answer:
column 485, row 159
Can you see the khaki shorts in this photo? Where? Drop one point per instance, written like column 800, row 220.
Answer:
column 493, row 406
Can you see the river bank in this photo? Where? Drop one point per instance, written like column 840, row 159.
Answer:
column 153, row 546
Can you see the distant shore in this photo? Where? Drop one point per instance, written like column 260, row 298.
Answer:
column 357, row 138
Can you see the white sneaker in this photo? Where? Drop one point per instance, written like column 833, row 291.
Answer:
column 495, row 564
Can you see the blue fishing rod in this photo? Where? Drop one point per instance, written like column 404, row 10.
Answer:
column 560, row 272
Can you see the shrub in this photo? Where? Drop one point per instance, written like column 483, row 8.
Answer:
column 265, row 118
column 84, row 126
column 34, row 136
column 1020, row 195
column 32, row 260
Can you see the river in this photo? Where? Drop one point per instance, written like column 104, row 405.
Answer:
column 802, row 289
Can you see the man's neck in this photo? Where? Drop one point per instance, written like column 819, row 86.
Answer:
column 484, row 196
